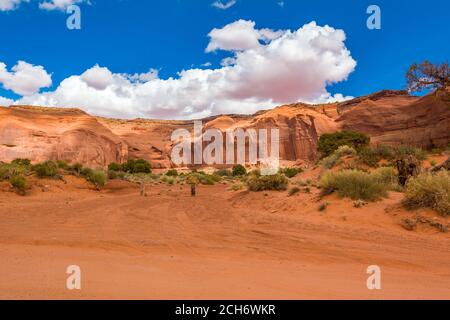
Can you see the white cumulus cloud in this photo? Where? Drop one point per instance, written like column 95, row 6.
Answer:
column 5, row 101
column 265, row 68
column 224, row 5
column 7, row 5
column 240, row 35
column 24, row 78
column 58, row 4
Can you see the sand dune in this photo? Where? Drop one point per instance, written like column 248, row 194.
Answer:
column 219, row 245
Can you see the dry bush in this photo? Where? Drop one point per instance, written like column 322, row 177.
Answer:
column 353, row 184
column 276, row 182
column 430, row 190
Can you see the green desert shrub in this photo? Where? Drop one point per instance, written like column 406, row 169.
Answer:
column 114, row 167
column 9, row 170
column 19, row 183
column 330, row 142
column 369, row 157
column 224, row 173
column 61, row 164
column 237, row 187
column 21, row 162
column 47, row 169
column 207, row 180
column 137, row 166
column 418, row 153
column 172, row 173
column 343, row 151
column 332, row 160
column 303, row 183
column 256, row 172
column 239, row 170
column 86, row 172
column 113, row 175
column 276, row 182
column 168, row 179
column 353, row 184
column 430, row 190
column 76, row 168
column 291, row 172
column 387, row 176
column 98, row 178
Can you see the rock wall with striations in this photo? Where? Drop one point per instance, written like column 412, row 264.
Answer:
column 389, row 117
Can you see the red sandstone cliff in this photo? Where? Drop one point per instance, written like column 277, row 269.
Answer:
column 69, row 134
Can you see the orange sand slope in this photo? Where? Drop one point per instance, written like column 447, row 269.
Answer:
column 219, row 245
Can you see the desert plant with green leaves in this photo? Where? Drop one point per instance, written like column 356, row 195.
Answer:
column 19, row 183
column 276, row 182
column 353, row 184
column 98, row 178
column 430, row 190
column 291, row 172
column 330, row 142
column 48, row 169
column 239, row 170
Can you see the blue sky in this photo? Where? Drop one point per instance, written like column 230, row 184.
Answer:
column 133, row 36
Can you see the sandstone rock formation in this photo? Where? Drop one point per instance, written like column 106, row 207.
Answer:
column 41, row 134
column 389, row 117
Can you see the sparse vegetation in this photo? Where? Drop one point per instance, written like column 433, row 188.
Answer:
column 237, row 187
column 113, row 175
column 303, row 183
column 9, row 170
column 402, row 151
column 276, row 182
column 172, row 173
column 329, row 143
column 430, row 190
column 98, row 178
column 353, row 184
column 19, row 183
column 114, row 167
column 239, row 170
column 62, row 164
column 47, row 169
column 291, row 172
column 293, row 191
column 323, row 206
column 224, row 173
column 76, row 168
column 428, row 76
column 168, row 179
column 371, row 156
column 86, row 172
column 137, row 166
column 387, row 176
column 21, row 162
column 332, row 160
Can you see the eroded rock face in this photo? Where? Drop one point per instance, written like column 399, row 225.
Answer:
column 389, row 117
column 401, row 119
column 57, row 134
